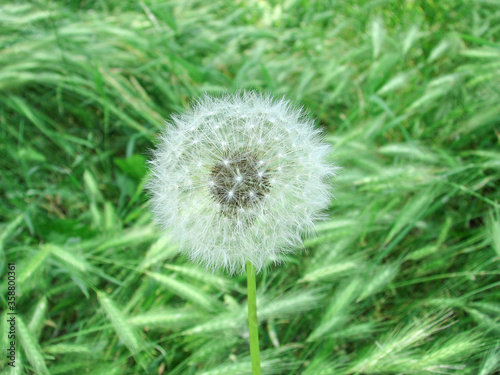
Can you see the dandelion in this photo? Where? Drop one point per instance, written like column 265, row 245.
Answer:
column 239, row 180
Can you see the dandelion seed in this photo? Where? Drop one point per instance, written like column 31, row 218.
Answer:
column 241, row 206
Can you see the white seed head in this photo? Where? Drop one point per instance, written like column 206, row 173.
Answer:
column 236, row 187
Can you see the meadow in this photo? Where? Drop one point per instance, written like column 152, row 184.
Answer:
column 403, row 277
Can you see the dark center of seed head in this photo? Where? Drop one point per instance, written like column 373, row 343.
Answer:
column 238, row 181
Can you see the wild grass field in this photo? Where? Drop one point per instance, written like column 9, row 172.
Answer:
column 403, row 278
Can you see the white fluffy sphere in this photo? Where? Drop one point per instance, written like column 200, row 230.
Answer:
column 240, row 178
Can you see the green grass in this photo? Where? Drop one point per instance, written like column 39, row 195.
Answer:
column 402, row 279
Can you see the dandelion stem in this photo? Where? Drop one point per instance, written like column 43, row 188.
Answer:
column 253, row 326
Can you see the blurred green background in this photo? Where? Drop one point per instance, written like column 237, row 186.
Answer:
column 402, row 279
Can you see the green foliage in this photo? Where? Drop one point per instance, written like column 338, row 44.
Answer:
column 401, row 279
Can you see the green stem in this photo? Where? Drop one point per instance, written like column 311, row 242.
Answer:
column 253, row 325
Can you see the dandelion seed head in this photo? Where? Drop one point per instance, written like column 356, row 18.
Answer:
column 244, row 184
